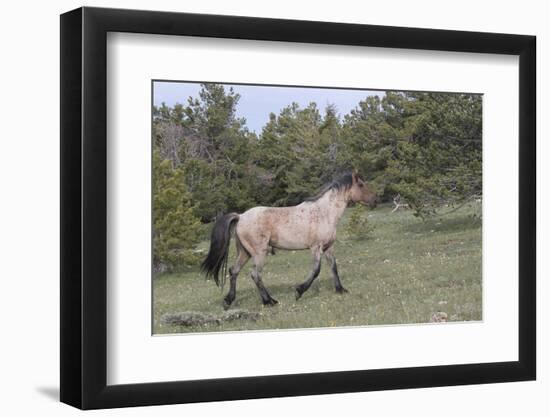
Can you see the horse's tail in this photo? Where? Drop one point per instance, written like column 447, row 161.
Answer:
column 216, row 260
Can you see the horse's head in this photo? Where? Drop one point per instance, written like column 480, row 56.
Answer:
column 361, row 193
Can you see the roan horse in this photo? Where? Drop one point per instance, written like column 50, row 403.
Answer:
column 309, row 225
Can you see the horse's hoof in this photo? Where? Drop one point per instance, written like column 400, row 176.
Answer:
column 298, row 293
column 226, row 304
column 271, row 302
column 341, row 290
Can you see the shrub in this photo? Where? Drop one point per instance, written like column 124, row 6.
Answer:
column 358, row 227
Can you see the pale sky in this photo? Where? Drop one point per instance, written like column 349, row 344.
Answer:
column 257, row 102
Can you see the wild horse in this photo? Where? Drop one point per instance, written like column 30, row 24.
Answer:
column 309, row 225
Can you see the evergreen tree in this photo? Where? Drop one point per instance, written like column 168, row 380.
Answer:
column 214, row 149
column 441, row 161
column 175, row 227
column 425, row 146
column 298, row 148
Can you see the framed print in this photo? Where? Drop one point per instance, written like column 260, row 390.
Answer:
column 256, row 208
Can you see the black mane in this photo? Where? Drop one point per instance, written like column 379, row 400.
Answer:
column 342, row 183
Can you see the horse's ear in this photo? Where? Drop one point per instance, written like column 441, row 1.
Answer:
column 354, row 176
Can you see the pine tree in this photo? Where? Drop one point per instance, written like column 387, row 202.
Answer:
column 176, row 230
column 213, row 148
column 424, row 146
column 441, row 160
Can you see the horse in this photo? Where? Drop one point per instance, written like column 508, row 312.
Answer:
column 309, row 225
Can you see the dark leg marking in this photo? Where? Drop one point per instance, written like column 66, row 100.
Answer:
column 329, row 254
column 230, row 297
column 304, row 286
column 242, row 258
column 267, row 299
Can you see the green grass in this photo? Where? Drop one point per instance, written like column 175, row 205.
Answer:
column 404, row 273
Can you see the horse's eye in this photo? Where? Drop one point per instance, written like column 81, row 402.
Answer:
column 360, row 185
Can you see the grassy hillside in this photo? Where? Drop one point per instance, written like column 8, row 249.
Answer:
column 406, row 271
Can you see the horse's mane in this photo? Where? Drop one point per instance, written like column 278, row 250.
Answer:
column 343, row 182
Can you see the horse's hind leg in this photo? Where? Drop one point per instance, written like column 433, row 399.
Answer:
column 304, row 286
column 329, row 255
column 259, row 261
column 242, row 258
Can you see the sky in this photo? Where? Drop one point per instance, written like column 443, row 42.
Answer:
column 257, row 102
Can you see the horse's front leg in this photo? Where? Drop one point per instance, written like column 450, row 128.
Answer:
column 304, row 286
column 329, row 255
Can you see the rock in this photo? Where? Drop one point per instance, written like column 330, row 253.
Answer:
column 439, row 317
column 197, row 318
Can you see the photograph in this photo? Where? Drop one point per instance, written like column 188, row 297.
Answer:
column 275, row 208
column 278, row 207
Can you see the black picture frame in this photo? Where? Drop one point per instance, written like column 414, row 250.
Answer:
column 84, row 207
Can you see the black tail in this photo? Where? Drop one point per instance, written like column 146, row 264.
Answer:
column 216, row 260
